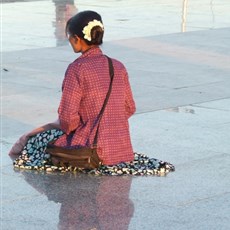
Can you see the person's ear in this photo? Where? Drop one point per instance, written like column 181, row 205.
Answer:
column 76, row 38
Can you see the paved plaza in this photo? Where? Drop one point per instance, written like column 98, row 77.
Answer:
column 177, row 53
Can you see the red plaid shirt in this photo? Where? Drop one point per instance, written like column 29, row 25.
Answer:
column 85, row 86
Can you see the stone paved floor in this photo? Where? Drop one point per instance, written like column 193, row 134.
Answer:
column 181, row 86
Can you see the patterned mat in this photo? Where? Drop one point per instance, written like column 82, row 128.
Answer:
column 34, row 157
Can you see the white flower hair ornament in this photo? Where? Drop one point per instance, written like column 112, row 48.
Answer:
column 87, row 29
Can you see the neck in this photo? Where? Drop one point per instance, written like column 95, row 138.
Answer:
column 88, row 48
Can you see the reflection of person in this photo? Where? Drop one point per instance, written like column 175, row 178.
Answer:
column 96, row 203
column 84, row 89
column 64, row 11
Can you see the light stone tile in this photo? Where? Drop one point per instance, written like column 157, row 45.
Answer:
column 181, row 134
column 223, row 104
column 204, row 214
column 207, row 180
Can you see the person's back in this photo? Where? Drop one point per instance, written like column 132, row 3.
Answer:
column 87, row 80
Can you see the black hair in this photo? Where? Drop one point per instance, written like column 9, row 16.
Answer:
column 76, row 24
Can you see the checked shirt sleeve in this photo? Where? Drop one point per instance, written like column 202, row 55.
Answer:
column 70, row 100
column 130, row 106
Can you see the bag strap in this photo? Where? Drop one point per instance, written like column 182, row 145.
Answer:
column 111, row 73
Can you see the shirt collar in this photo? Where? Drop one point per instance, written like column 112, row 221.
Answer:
column 91, row 52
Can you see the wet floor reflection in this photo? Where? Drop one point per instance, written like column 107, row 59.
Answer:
column 45, row 20
column 181, row 110
column 184, row 15
column 64, row 10
column 87, row 202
